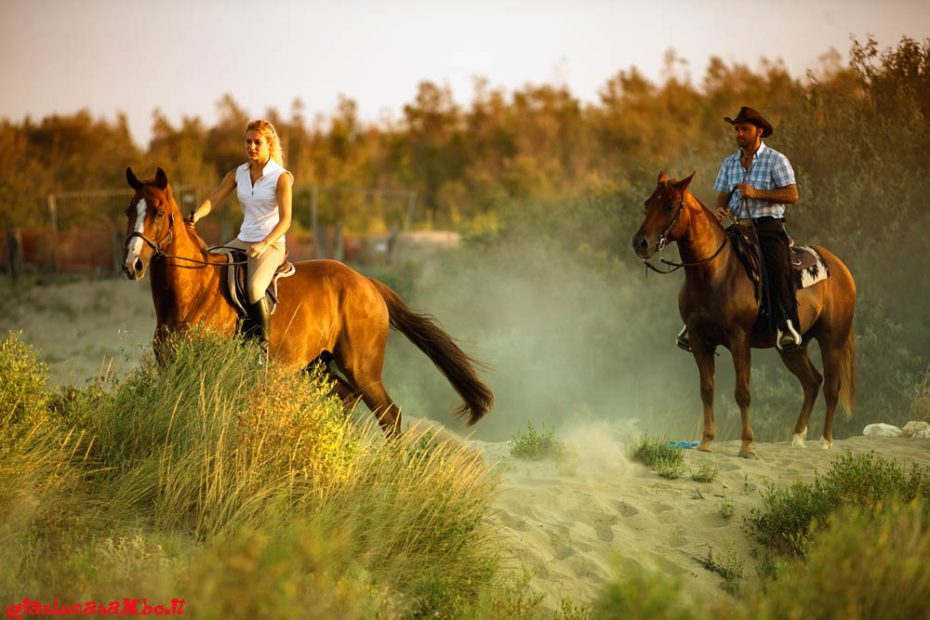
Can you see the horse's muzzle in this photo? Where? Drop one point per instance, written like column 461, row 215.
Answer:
column 641, row 245
column 134, row 269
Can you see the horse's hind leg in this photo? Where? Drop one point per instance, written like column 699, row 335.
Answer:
column 831, row 354
column 801, row 367
column 365, row 373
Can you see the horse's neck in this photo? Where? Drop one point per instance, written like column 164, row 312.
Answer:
column 704, row 238
column 177, row 283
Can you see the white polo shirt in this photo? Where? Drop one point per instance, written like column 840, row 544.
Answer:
column 259, row 202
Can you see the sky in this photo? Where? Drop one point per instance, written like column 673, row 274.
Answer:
column 182, row 56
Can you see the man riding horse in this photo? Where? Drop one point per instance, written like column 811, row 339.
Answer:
column 755, row 184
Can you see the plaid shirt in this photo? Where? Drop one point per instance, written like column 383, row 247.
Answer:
column 769, row 170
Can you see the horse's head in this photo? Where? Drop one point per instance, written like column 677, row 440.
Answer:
column 150, row 222
column 663, row 222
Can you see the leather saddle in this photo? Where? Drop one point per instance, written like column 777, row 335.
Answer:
column 237, row 278
column 807, row 264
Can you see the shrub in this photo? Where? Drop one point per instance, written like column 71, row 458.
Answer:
column 534, row 446
column 707, row 472
column 23, row 378
column 667, row 460
column 860, row 566
column 867, row 481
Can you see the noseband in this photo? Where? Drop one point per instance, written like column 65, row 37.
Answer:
column 158, row 247
column 662, row 243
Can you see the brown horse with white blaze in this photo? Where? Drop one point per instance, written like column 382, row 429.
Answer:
column 719, row 307
column 327, row 313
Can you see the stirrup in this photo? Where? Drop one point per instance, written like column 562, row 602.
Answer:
column 682, row 340
column 788, row 339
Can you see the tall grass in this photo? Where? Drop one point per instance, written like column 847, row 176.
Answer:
column 245, row 489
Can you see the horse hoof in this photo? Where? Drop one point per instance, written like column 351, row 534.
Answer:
column 748, row 454
column 704, row 447
column 825, row 444
column 798, row 441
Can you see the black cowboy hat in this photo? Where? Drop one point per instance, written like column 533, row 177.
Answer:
column 748, row 115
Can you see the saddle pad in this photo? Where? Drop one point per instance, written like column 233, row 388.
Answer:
column 808, row 266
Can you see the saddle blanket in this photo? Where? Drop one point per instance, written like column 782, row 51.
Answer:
column 808, row 266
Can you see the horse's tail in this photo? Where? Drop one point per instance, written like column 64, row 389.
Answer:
column 847, row 395
column 454, row 364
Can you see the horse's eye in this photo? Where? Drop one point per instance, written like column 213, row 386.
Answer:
column 159, row 214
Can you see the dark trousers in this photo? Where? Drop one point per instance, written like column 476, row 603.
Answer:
column 780, row 289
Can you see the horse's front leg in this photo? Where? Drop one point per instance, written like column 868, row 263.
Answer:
column 742, row 363
column 704, row 357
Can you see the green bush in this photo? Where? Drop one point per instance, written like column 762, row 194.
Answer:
column 790, row 515
column 23, row 378
column 535, row 446
column 667, row 460
column 860, row 566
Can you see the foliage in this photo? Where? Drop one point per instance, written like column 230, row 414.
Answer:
column 245, row 487
column 23, row 378
column 860, row 566
column 536, row 446
column 791, row 515
column 667, row 460
column 707, row 472
column 636, row 592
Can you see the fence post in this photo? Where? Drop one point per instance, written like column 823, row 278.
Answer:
column 411, row 205
column 319, row 236
column 14, row 248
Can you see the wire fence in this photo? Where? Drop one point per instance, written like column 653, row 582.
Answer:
column 86, row 229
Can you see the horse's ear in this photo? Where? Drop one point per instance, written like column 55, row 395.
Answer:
column 684, row 183
column 161, row 179
column 133, row 181
column 663, row 178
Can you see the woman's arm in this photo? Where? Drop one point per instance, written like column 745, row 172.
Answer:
column 285, row 183
column 222, row 190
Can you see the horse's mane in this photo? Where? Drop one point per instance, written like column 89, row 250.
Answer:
column 191, row 233
column 710, row 213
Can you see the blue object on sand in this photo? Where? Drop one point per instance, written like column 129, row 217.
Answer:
column 684, row 444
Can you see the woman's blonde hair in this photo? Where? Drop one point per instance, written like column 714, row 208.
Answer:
column 271, row 136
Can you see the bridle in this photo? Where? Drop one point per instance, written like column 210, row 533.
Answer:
column 662, row 243
column 159, row 247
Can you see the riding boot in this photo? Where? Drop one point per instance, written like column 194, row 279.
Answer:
column 258, row 324
column 682, row 340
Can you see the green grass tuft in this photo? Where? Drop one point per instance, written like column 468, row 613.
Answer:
column 536, row 446
column 664, row 459
column 707, row 472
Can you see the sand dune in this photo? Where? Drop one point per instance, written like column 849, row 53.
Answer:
column 566, row 523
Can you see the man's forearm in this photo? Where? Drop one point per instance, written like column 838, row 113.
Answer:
column 786, row 195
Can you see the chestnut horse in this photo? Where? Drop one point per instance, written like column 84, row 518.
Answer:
column 327, row 313
column 719, row 307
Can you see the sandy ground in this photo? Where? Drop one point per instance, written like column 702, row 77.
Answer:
column 81, row 329
column 569, row 524
column 566, row 523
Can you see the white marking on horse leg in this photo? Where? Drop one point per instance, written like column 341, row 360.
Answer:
column 825, row 444
column 135, row 245
column 798, row 440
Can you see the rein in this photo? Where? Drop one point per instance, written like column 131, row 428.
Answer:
column 662, row 243
column 159, row 247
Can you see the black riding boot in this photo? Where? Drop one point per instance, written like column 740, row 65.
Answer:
column 258, row 324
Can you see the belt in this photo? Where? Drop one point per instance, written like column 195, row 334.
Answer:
column 759, row 220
